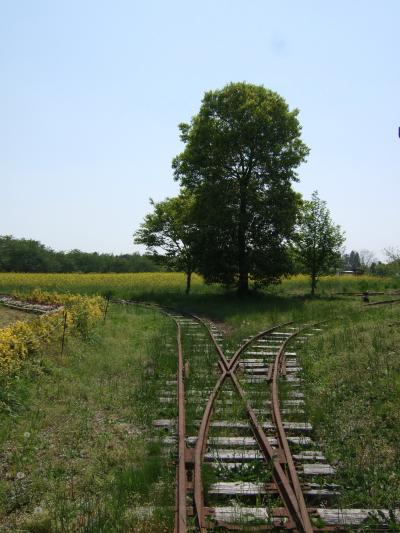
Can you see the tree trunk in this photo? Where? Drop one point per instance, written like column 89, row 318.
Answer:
column 313, row 280
column 313, row 284
column 188, row 281
column 313, row 271
column 243, row 286
column 243, row 282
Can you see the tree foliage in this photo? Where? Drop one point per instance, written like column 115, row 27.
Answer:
column 359, row 261
column 393, row 260
column 318, row 239
column 170, row 228
column 241, row 152
column 27, row 255
column 393, row 254
column 367, row 258
column 351, row 261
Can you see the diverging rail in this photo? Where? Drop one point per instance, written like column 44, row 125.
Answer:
column 288, row 485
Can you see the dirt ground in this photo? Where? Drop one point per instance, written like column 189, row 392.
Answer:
column 7, row 316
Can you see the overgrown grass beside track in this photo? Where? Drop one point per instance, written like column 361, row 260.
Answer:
column 353, row 378
column 78, row 454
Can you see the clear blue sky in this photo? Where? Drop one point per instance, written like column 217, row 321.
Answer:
column 91, row 93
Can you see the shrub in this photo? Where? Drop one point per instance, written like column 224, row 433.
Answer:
column 25, row 339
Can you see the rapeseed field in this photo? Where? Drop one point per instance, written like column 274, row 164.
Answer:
column 149, row 285
column 124, row 285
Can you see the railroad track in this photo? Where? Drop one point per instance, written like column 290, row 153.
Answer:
column 246, row 460
column 248, row 433
column 28, row 307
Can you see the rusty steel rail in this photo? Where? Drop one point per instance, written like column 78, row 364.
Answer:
column 382, row 302
column 294, row 501
column 181, row 487
column 284, row 445
column 181, row 507
column 288, row 488
column 286, row 481
column 283, row 483
column 369, row 293
column 288, row 485
column 226, row 370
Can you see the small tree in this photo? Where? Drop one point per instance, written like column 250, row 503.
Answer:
column 367, row 259
column 393, row 257
column 318, row 240
column 170, row 229
column 354, row 261
column 393, row 254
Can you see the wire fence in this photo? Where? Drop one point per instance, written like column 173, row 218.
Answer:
column 67, row 319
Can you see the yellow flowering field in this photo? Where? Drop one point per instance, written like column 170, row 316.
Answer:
column 300, row 284
column 149, row 285
column 21, row 340
column 124, row 285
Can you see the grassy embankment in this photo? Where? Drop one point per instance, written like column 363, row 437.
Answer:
column 351, row 371
column 8, row 316
column 353, row 380
column 76, row 449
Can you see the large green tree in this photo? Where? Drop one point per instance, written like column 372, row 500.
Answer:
column 170, row 234
column 318, row 240
column 240, row 156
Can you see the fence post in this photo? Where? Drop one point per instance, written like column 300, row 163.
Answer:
column 64, row 329
column 106, row 308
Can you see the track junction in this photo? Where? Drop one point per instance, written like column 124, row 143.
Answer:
column 246, row 460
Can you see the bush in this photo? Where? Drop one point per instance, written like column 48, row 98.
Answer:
column 25, row 339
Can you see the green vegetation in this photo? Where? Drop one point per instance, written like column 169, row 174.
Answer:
column 27, row 255
column 240, row 158
column 77, row 447
column 317, row 241
column 237, row 220
column 171, row 229
column 353, row 397
column 7, row 316
column 168, row 287
column 77, row 452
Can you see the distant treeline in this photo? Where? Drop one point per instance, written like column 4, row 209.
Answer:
column 26, row 255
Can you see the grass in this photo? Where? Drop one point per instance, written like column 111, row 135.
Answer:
column 8, row 316
column 91, row 453
column 75, row 454
column 354, row 401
